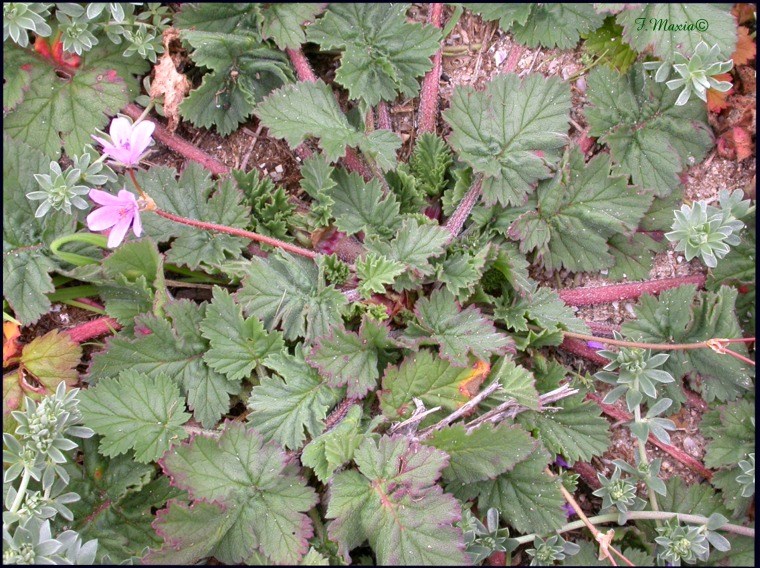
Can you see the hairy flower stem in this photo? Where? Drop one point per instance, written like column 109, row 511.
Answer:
column 716, row 344
column 179, row 145
column 456, row 221
column 429, row 92
column 594, row 295
column 644, row 516
column 223, row 228
column 238, row 233
column 383, row 116
column 92, row 329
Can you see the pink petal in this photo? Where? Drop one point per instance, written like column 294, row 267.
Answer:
column 141, row 136
column 121, row 130
column 102, row 141
column 127, row 198
column 104, row 198
column 119, row 231
column 103, row 218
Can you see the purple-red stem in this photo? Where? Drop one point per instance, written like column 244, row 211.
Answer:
column 456, row 221
column 179, row 145
column 429, row 93
column 383, row 116
column 305, row 73
column 606, row 294
column 92, row 329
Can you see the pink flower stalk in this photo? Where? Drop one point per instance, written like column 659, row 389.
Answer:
column 128, row 141
column 117, row 213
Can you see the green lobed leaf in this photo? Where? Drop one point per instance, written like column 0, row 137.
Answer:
column 375, row 272
column 682, row 316
column 694, row 499
column 330, row 450
column 175, row 348
column 577, row 430
column 264, row 499
column 19, row 70
column 135, row 412
column 633, row 256
column 460, row 272
column 118, row 497
column 528, row 499
column 649, row 137
column 483, row 453
column 413, row 246
column 280, row 408
column 731, row 432
column 224, row 17
column 434, row 381
column 308, row 109
column 189, row 197
column 731, row 491
column 507, row 14
column 429, row 163
column 661, row 23
column 393, row 502
column 284, row 23
column 382, row 53
column 581, row 208
column 457, row 332
column 237, row 345
column 360, row 206
column 510, row 132
column 517, row 383
column 605, row 43
column 243, row 71
column 557, row 25
column 272, row 212
column 288, row 291
column 351, row 359
column 66, row 110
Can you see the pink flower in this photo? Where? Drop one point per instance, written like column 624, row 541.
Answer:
column 118, row 213
column 128, row 141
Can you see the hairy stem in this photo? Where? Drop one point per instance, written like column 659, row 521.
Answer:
column 92, row 329
column 456, row 221
column 238, row 233
column 429, row 93
column 594, row 295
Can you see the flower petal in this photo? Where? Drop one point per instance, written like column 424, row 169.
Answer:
column 120, row 131
column 103, row 218
column 119, row 231
column 127, row 198
column 104, row 198
column 141, row 136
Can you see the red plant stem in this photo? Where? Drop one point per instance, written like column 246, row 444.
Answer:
column 429, row 92
column 383, row 116
column 179, row 145
column 457, row 219
column 588, row 474
column 679, row 455
column 89, row 302
column 92, row 329
column 305, row 73
column 514, row 56
column 593, row 295
column 238, row 233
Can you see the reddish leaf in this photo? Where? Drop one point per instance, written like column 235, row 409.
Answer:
column 745, row 48
column 735, row 144
column 11, row 333
column 716, row 101
column 744, row 12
